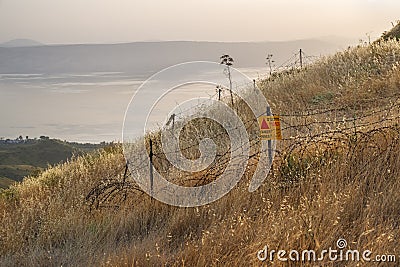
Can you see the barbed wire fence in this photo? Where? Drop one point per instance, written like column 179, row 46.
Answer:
column 336, row 129
column 304, row 133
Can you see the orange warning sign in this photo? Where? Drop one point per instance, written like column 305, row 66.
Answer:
column 270, row 128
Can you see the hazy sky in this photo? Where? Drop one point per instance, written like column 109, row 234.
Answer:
column 105, row 21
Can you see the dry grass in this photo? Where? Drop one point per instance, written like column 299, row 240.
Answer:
column 351, row 77
column 323, row 186
column 393, row 33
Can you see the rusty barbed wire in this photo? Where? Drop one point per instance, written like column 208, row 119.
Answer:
column 307, row 133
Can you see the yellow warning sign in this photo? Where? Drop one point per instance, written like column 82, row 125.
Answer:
column 270, row 128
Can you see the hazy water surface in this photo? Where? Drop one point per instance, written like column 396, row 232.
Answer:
column 83, row 107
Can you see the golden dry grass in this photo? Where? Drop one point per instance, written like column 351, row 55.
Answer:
column 320, row 191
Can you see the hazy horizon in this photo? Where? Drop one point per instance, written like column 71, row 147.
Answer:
column 102, row 21
column 332, row 38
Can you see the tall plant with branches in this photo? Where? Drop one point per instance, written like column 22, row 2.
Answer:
column 228, row 61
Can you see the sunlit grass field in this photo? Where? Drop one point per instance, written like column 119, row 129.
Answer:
column 330, row 180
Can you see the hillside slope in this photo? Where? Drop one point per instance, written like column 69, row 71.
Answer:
column 21, row 159
column 336, row 176
column 393, row 33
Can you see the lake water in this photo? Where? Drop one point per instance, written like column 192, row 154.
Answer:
column 83, row 107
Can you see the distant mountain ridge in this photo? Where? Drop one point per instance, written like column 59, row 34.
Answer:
column 21, row 43
column 145, row 57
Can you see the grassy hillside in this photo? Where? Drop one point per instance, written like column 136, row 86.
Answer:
column 393, row 33
column 336, row 176
column 26, row 158
column 5, row 182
